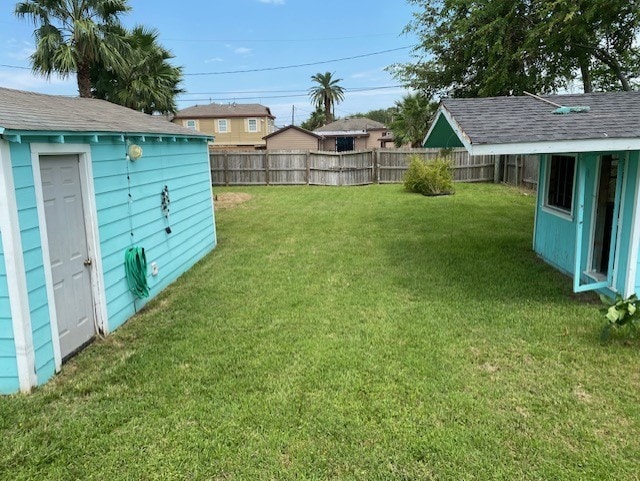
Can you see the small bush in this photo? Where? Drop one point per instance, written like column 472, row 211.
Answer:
column 432, row 177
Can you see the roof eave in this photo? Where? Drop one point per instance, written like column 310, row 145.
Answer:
column 556, row 146
column 14, row 135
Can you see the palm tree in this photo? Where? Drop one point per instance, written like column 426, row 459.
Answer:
column 326, row 94
column 315, row 120
column 72, row 35
column 148, row 82
column 412, row 119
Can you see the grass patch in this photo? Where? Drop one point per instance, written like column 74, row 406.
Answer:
column 347, row 333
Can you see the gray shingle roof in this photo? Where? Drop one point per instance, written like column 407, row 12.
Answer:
column 292, row 127
column 28, row 111
column 224, row 110
column 499, row 120
column 351, row 124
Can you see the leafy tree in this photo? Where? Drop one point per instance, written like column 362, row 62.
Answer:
column 501, row 47
column 317, row 119
column 72, row 35
column 598, row 37
column 326, row 93
column 384, row 116
column 412, row 120
column 148, row 82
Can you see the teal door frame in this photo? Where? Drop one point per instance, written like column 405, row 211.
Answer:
column 578, row 286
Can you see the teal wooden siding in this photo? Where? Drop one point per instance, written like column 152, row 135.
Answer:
column 32, row 251
column 184, row 168
column 128, row 201
column 555, row 235
column 9, row 382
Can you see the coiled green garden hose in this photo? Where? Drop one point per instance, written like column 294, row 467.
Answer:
column 135, row 265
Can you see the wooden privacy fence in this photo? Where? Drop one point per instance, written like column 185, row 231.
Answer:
column 303, row 167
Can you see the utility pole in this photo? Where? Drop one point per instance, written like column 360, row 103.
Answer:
column 293, row 114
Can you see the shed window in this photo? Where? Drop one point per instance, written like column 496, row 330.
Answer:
column 223, row 126
column 562, row 170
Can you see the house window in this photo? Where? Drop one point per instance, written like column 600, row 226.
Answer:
column 252, row 125
column 191, row 124
column 344, row 144
column 223, row 126
column 562, row 170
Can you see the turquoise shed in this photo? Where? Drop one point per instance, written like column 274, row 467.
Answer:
column 81, row 182
column 587, row 221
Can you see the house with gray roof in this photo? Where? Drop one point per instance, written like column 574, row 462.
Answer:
column 101, row 207
column 234, row 126
column 357, row 133
column 587, row 221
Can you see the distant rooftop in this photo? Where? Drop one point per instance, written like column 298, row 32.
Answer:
column 223, row 111
column 351, row 125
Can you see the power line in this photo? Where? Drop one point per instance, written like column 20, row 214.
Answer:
column 14, row 66
column 298, row 65
column 266, row 69
column 273, row 40
column 233, row 98
column 231, row 92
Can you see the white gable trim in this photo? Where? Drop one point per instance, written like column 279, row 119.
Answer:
column 630, row 286
column 443, row 112
column 16, row 275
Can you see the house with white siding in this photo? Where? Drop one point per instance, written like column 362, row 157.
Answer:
column 86, row 185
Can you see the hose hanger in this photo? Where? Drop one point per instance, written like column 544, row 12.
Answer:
column 165, row 204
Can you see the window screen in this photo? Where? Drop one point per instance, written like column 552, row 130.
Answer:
column 560, row 187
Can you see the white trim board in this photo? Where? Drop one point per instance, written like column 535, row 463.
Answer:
column 83, row 151
column 630, row 285
column 16, row 275
column 555, row 147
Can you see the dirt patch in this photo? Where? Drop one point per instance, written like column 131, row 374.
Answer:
column 228, row 200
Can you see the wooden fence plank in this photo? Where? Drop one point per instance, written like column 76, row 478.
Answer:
column 299, row 167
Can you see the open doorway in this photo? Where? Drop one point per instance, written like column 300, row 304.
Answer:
column 604, row 216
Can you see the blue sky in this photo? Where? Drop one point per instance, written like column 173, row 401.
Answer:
column 211, row 37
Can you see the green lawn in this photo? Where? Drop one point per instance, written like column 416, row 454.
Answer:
column 347, row 333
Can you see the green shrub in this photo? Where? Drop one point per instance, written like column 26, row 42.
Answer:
column 620, row 313
column 432, row 177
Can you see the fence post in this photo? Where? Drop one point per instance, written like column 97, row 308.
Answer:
column 376, row 166
column 225, row 166
column 266, row 167
column 308, row 166
column 496, row 169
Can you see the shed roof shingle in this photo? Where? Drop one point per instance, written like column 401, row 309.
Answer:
column 29, row 111
column 499, row 120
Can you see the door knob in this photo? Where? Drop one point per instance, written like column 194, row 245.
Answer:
column 87, row 261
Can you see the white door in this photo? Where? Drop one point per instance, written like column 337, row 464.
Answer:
column 68, row 252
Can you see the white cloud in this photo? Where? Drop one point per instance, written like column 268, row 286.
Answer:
column 242, row 51
column 272, row 2
column 214, row 60
column 18, row 49
column 25, row 80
